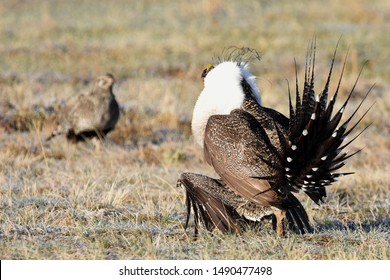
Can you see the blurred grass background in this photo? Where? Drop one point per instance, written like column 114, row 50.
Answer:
column 60, row 201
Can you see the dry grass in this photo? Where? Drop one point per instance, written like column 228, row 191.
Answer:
column 65, row 201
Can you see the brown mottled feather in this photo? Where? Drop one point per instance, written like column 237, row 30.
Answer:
column 90, row 114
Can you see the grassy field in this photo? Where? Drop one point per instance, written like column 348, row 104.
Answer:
column 65, row 201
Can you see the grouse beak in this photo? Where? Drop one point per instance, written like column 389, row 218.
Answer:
column 208, row 68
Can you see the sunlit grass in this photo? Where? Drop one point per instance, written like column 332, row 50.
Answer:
column 120, row 201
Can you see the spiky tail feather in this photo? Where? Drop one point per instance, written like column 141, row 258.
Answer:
column 297, row 219
column 316, row 150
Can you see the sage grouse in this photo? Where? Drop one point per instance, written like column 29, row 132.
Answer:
column 262, row 156
column 91, row 114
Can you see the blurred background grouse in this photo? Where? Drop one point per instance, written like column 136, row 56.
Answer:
column 261, row 156
column 92, row 114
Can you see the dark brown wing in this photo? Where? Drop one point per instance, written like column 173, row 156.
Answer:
column 209, row 209
column 240, row 151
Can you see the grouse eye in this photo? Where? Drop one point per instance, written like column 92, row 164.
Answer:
column 207, row 70
column 102, row 83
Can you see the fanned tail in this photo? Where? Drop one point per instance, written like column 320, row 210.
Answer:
column 317, row 136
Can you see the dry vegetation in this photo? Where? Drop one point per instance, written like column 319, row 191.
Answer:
column 65, row 201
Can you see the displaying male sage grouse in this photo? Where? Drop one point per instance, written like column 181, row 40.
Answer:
column 91, row 114
column 262, row 156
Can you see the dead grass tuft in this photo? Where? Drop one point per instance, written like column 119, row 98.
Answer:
column 64, row 201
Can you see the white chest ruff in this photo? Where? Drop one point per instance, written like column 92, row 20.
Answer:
column 222, row 93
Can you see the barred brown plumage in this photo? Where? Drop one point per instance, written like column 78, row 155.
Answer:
column 262, row 156
column 91, row 114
